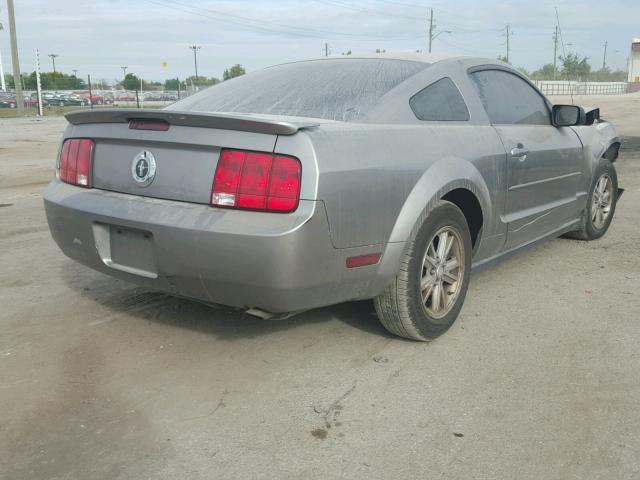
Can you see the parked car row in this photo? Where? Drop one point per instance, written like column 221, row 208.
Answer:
column 82, row 98
column 8, row 100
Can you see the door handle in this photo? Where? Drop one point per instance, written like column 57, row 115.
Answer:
column 520, row 152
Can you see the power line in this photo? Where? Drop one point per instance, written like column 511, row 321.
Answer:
column 258, row 24
column 359, row 8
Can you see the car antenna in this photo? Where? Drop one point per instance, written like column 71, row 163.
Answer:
column 564, row 53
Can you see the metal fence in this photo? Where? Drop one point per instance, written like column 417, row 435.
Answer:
column 560, row 87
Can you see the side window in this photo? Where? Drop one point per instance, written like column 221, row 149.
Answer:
column 510, row 100
column 439, row 101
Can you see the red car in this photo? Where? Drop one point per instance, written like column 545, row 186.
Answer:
column 126, row 97
column 10, row 102
column 97, row 99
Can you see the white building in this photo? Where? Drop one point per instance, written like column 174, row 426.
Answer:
column 634, row 61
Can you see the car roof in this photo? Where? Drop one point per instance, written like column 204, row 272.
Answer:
column 428, row 58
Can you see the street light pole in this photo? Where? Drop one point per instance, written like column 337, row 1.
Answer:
column 195, row 49
column 124, row 71
column 53, row 59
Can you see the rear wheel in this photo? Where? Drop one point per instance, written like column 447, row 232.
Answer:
column 601, row 204
column 428, row 292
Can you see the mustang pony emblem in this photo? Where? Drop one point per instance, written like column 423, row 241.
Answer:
column 143, row 168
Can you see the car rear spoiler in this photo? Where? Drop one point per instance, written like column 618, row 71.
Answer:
column 224, row 121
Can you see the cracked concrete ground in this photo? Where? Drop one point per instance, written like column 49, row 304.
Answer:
column 538, row 379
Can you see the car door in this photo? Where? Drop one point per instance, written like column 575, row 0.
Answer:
column 544, row 162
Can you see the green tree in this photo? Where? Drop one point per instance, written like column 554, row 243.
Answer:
column 174, row 84
column 574, row 67
column 200, row 81
column 53, row 81
column 234, row 71
column 544, row 73
column 606, row 75
column 130, row 82
column 504, row 59
column 8, row 78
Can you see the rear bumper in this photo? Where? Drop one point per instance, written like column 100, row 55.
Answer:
column 278, row 263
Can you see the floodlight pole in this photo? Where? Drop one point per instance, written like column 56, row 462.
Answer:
column 195, row 49
column 53, row 59
column 17, row 77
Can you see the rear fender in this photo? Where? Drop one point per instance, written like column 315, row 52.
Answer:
column 445, row 175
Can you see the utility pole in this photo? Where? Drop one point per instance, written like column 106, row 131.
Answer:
column 555, row 52
column 75, row 72
column 53, row 59
column 17, row 77
column 195, row 49
column 124, row 71
column 3, row 85
column 508, row 37
column 604, row 57
column 430, row 29
column 326, row 49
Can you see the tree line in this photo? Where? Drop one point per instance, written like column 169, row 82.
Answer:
column 64, row 81
column 574, row 67
column 570, row 67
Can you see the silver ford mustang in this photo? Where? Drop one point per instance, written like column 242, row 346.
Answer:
column 319, row 182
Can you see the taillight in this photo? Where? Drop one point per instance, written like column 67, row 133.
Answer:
column 75, row 161
column 256, row 181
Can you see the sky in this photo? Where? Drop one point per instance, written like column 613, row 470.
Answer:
column 152, row 37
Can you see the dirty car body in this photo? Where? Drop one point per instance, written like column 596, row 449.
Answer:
column 379, row 141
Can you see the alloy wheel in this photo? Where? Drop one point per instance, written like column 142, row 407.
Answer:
column 442, row 272
column 601, row 201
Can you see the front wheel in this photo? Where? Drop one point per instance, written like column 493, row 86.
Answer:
column 601, row 204
column 426, row 297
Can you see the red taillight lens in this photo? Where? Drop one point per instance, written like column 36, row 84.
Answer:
column 256, row 181
column 75, row 161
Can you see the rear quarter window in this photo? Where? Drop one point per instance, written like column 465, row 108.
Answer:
column 440, row 101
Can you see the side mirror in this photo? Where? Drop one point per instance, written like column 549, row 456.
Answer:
column 568, row 116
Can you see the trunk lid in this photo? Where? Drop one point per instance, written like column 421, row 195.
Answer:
column 185, row 155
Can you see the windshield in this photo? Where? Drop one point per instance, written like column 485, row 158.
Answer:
column 337, row 89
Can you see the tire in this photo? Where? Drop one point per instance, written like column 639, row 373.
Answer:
column 400, row 307
column 593, row 226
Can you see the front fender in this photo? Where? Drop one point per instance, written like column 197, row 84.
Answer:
column 445, row 175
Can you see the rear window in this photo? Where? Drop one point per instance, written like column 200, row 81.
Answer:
column 337, row 89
